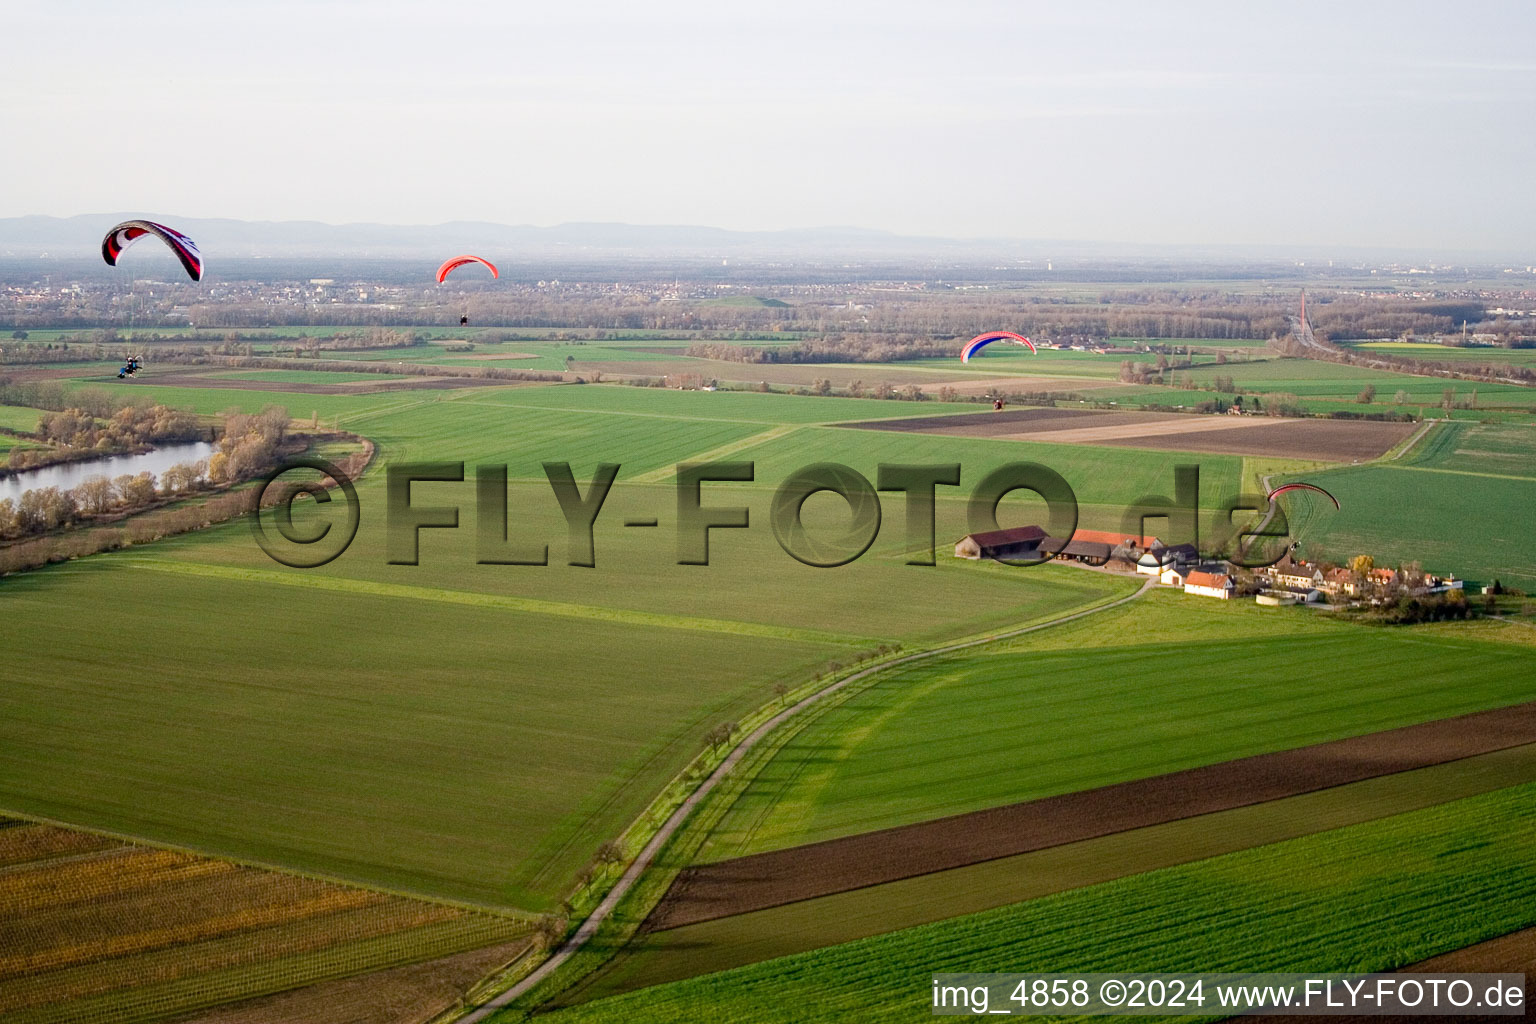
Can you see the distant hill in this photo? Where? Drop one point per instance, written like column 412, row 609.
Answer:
column 71, row 236
column 224, row 241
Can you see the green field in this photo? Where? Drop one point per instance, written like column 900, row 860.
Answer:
column 1474, row 524
column 330, row 731
column 1477, row 354
column 692, row 950
column 1493, row 449
column 1000, row 361
column 1325, row 387
column 476, row 731
column 1361, row 898
column 1165, row 683
column 307, row 376
column 316, row 719
column 211, row 401
column 19, row 418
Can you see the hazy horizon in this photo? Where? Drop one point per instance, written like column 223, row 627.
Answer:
column 1401, row 126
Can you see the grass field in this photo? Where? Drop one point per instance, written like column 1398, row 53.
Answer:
column 476, row 731
column 1472, row 523
column 1477, row 355
column 329, row 731
column 692, row 950
column 7, row 442
column 1360, row 898
column 306, row 376
column 1324, row 387
column 1159, row 685
column 1494, row 449
column 316, row 719
column 19, row 418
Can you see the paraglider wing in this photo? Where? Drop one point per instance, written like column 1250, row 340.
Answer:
column 1303, row 487
column 981, row 341
column 130, row 231
column 459, row 261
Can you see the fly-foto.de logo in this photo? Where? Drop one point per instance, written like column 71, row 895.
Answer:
column 1247, row 530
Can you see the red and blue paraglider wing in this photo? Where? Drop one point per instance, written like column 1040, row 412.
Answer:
column 459, row 261
column 130, row 231
column 981, row 341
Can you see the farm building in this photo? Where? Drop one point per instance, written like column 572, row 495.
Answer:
column 1129, row 541
column 1155, row 559
column 1089, row 552
column 1097, row 547
column 1173, row 575
column 1208, row 584
column 1017, row 542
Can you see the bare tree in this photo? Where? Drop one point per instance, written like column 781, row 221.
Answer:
column 720, row 735
column 95, row 495
column 549, row 929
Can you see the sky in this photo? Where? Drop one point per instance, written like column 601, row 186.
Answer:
column 1299, row 123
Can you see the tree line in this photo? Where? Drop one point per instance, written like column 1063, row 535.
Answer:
column 46, row 509
column 49, row 525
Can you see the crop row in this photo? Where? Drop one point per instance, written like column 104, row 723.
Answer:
column 1365, row 897
column 23, row 843
column 89, row 946
column 184, row 995
column 107, row 874
column 238, row 950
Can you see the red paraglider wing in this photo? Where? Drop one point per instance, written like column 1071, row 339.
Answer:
column 1303, row 487
column 981, row 341
column 130, row 231
column 459, row 261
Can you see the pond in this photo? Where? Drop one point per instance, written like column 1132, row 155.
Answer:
column 71, row 474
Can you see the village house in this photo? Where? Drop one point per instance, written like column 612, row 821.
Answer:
column 1382, row 579
column 1154, row 560
column 1295, row 574
column 1340, row 581
column 1207, row 584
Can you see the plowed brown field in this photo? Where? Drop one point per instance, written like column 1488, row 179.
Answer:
column 1322, row 440
column 759, row 881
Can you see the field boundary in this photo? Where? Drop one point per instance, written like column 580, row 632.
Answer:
column 763, row 880
column 731, row 448
column 1412, row 442
column 499, row 910
column 726, row 943
column 398, row 591
column 663, row 835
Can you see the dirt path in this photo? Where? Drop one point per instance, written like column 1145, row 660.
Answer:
column 1413, row 442
column 648, row 854
column 758, row 881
